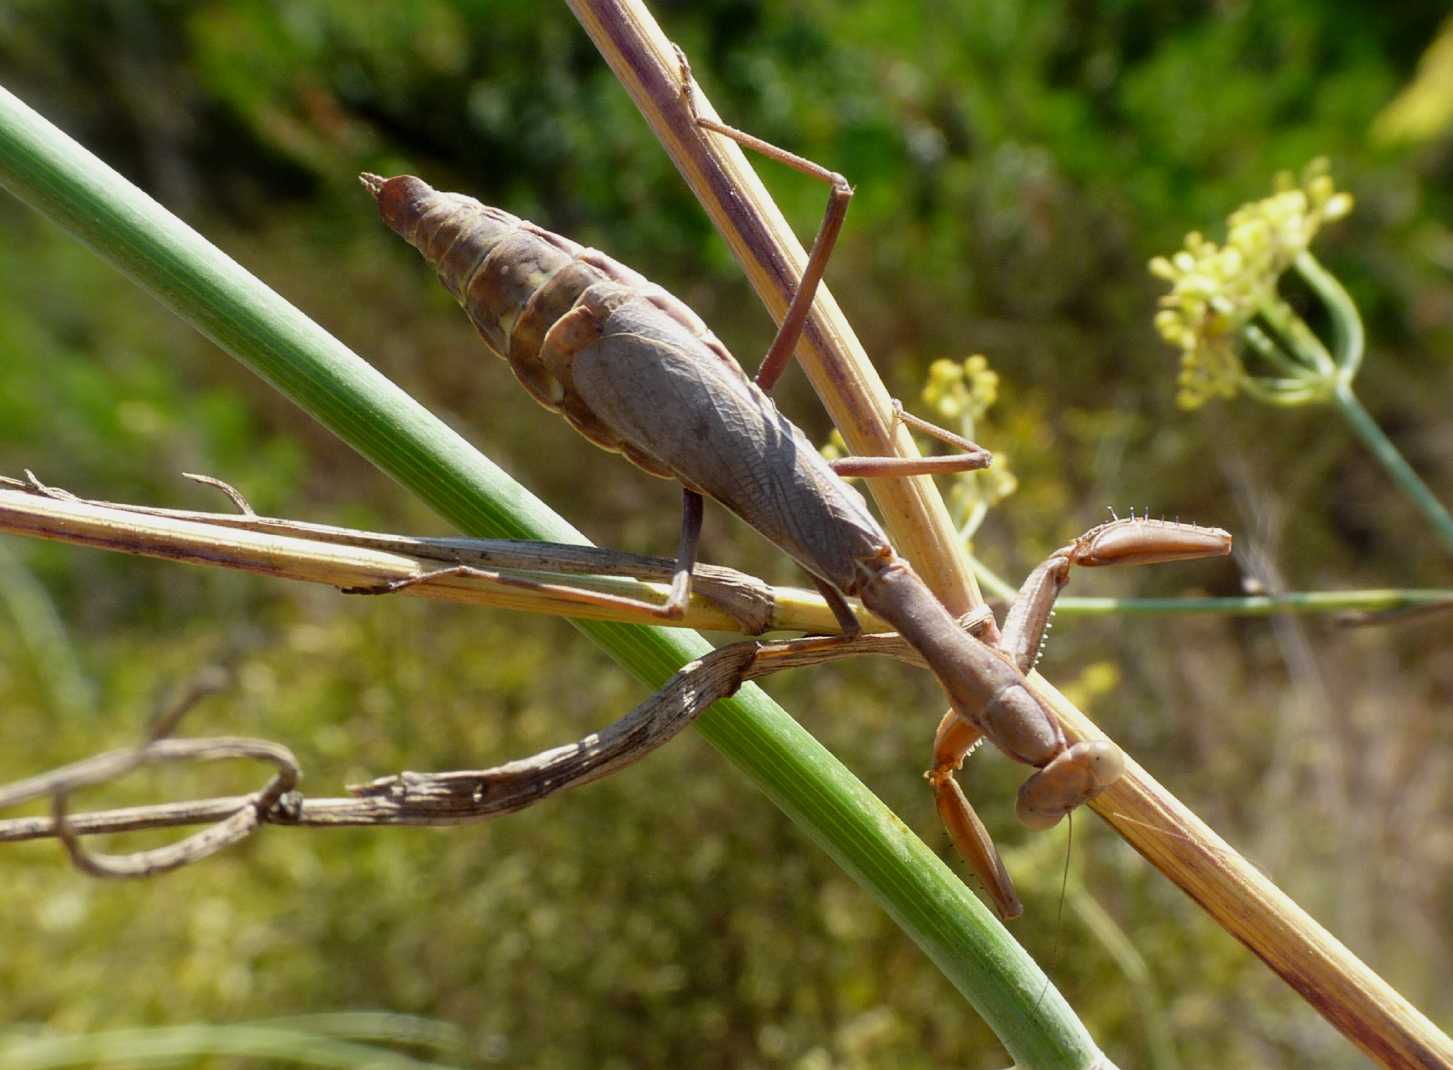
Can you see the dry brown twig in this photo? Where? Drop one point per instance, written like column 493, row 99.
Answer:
column 413, row 799
column 603, row 584
column 289, row 548
column 240, row 820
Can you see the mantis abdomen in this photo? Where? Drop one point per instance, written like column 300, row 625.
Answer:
column 636, row 371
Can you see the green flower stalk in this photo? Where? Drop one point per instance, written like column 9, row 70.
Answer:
column 1224, row 308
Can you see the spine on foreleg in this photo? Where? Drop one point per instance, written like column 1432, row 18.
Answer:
column 991, row 694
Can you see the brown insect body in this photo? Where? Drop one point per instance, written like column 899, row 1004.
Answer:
column 636, row 371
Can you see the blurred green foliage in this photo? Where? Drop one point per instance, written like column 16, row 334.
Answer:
column 1016, row 165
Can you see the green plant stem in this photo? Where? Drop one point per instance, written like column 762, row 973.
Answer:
column 1402, row 473
column 191, row 277
column 1349, row 339
column 1257, row 605
column 1333, row 378
column 1349, row 344
column 1374, row 600
column 1273, row 354
column 1298, row 338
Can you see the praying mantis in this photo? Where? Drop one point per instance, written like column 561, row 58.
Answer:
column 636, row 371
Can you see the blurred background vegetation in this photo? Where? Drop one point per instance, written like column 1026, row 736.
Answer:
column 1016, row 166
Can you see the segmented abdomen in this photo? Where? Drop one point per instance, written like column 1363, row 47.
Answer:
column 636, row 371
column 516, row 281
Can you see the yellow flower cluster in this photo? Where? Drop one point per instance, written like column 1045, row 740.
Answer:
column 1216, row 290
column 956, row 391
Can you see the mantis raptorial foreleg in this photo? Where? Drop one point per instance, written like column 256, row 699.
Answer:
column 1083, row 769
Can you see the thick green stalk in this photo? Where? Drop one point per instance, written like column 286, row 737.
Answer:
column 60, row 179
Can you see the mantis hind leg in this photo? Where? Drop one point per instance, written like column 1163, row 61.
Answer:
column 790, row 331
column 779, row 354
column 674, row 608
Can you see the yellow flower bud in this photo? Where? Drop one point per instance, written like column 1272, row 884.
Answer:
column 1337, row 206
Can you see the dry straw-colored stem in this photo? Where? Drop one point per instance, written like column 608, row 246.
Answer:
column 1242, row 900
column 502, row 573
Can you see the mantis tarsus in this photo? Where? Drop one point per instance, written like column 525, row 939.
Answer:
column 636, row 371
